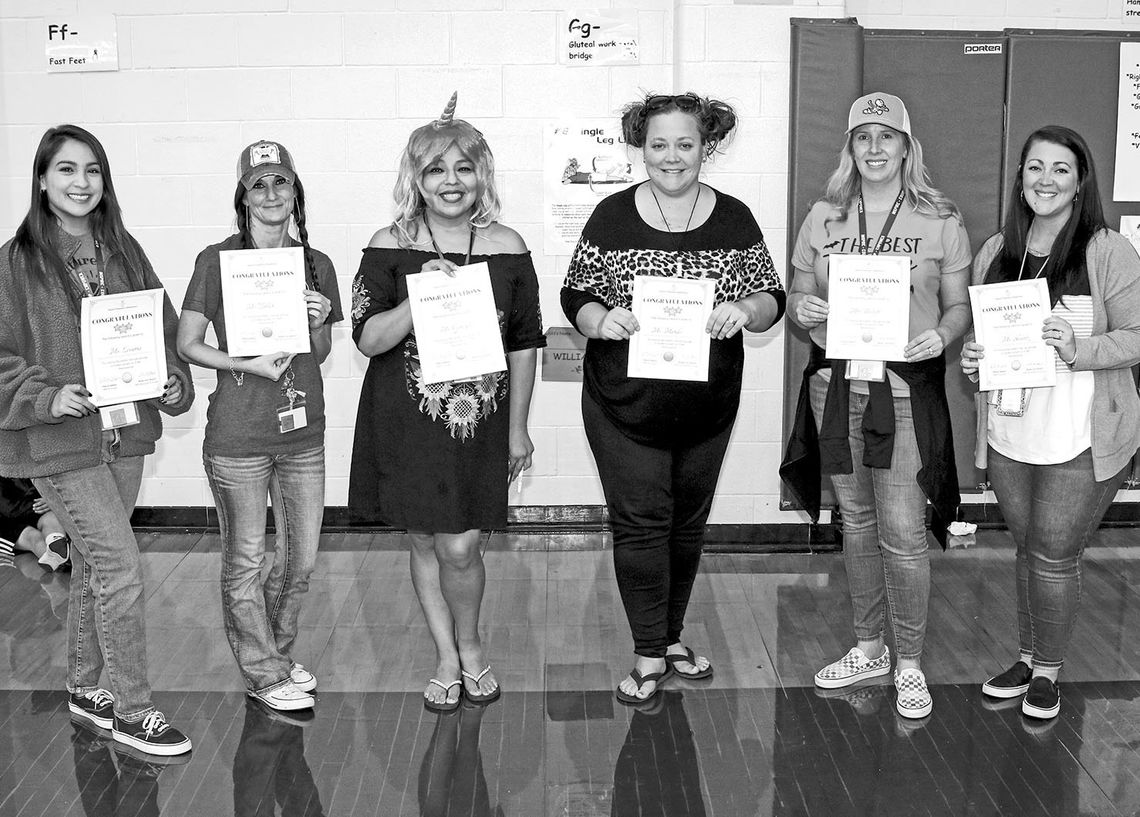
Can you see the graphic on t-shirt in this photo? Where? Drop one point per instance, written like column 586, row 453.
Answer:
column 459, row 404
column 899, row 245
column 84, row 262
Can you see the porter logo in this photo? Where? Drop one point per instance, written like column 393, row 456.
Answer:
column 982, row 48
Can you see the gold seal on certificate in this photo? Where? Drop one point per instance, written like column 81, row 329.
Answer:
column 263, row 294
column 124, row 351
column 671, row 343
column 456, row 323
column 869, row 306
column 1008, row 319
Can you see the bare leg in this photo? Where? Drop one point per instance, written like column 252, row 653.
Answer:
column 426, row 580
column 49, row 524
column 462, row 577
column 32, row 541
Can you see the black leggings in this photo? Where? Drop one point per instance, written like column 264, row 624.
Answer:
column 659, row 500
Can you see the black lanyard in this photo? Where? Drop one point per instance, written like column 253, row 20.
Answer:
column 101, row 287
column 887, row 225
column 439, row 252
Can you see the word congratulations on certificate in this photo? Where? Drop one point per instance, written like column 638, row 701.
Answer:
column 456, row 323
column 263, row 295
column 124, row 351
column 1008, row 319
column 671, row 342
column 869, row 306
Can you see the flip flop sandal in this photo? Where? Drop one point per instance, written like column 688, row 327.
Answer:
column 479, row 698
column 688, row 657
column 446, row 706
column 642, row 680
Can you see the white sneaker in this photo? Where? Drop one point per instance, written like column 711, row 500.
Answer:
column 286, row 698
column 305, row 680
column 853, row 667
column 913, row 696
column 57, row 554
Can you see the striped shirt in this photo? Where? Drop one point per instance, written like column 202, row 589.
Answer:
column 1057, row 423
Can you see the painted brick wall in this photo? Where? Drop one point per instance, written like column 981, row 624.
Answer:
column 342, row 82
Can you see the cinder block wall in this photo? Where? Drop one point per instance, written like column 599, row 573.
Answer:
column 342, row 82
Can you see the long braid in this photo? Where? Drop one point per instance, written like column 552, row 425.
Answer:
column 303, row 234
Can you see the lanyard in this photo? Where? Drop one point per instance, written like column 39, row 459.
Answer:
column 101, row 287
column 887, row 225
column 439, row 252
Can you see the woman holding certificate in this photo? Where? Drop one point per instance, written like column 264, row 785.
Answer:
column 884, row 433
column 434, row 454
column 72, row 246
column 265, row 427
column 1057, row 455
column 663, row 281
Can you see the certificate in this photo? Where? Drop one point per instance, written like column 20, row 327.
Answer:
column 869, row 306
column 671, row 343
column 456, row 323
column 124, row 351
column 1008, row 319
column 263, row 295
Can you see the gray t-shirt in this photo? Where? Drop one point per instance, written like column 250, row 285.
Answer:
column 242, row 421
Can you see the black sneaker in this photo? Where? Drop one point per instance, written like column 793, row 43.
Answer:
column 152, row 735
column 1011, row 683
column 146, row 764
column 1043, row 700
column 95, row 706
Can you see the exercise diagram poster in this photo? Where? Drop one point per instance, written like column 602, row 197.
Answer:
column 1126, row 184
column 584, row 161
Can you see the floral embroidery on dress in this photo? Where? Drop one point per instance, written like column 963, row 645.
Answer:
column 459, row 404
column 361, row 300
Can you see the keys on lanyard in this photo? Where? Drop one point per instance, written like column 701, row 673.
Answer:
column 292, row 416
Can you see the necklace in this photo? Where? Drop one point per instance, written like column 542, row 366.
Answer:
column 1024, row 255
column 439, row 252
column 669, row 227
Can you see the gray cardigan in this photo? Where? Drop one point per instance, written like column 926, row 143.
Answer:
column 40, row 352
column 1114, row 282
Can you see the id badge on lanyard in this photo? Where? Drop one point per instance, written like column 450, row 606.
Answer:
column 291, row 415
column 872, row 370
column 120, row 415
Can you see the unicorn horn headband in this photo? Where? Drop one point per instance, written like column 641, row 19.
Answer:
column 448, row 112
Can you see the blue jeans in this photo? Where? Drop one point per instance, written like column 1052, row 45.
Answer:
column 884, row 530
column 261, row 618
column 1051, row 511
column 106, row 615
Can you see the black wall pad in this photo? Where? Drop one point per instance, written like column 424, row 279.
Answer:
column 972, row 105
column 1067, row 78
column 826, row 77
column 953, row 84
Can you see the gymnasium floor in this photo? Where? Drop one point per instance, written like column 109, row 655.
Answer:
column 756, row 740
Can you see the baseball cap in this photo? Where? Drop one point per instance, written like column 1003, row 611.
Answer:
column 262, row 159
column 881, row 109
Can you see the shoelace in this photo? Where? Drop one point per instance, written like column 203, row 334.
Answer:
column 100, row 697
column 155, row 724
